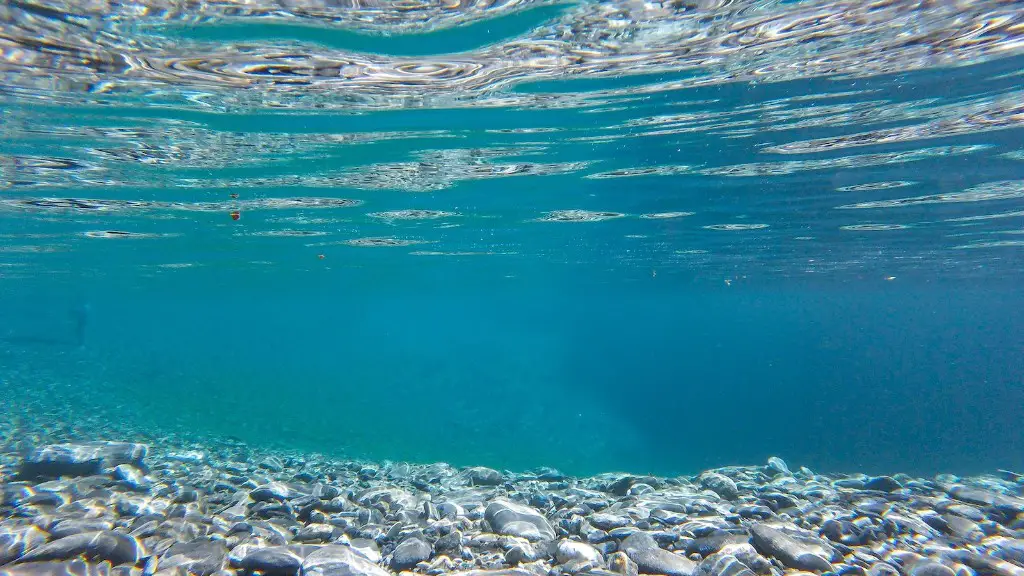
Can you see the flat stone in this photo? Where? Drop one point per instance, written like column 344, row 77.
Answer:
column 277, row 560
column 315, row 533
column 721, row 485
column 621, row 564
column 131, row 477
column 83, row 459
column 517, row 520
column 983, row 497
column 272, row 463
column 883, row 484
column 69, row 527
column 607, row 521
column 777, row 466
column 577, row 555
column 409, row 553
column 481, row 476
column 17, row 540
column 274, row 491
column 788, row 550
column 723, row 565
column 114, row 547
column 712, row 543
column 199, row 557
column 339, row 560
column 75, row 567
column 643, row 549
column 1009, row 549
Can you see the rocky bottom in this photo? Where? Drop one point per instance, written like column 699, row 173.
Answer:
column 122, row 508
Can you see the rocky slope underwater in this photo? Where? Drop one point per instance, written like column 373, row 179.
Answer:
column 223, row 508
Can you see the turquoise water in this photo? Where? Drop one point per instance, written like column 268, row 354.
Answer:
column 645, row 237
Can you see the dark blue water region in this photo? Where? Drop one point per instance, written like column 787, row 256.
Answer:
column 558, row 370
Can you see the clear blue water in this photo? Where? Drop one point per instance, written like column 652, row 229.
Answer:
column 594, row 236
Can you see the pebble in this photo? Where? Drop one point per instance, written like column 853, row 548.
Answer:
column 650, row 559
column 84, row 459
column 505, row 517
column 114, row 547
column 788, row 550
column 337, row 560
column 199, row 557
column 409, row 553
column 122, row 509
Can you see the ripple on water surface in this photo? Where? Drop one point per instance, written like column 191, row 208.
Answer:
column 692, row 124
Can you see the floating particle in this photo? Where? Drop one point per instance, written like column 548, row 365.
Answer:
column 120, row 234
column 579, row 216
column 873, row 227
column 876, row 186
column 411, row 214
column 665, row 215
column 996, row 244
column 382, row 242
column 288, row 233
column 735, row 226
column 1003, row 190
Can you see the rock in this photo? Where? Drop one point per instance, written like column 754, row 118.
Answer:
column 1008, row 549
column 651, row 559
column 84, row 459
column 983, row 563
column 199, row 557
column 882, row 569
column 315, row 533
column 517, row 520
column 17, row 540
column 607, row 521
column 777, row 466
column 339, row 560
column 621, row 564
column 272, row 463
column 409, row 553
column 481, row 476
column 929, row 567
column 577, row 556
column 450, row 542
column 274, row 560
column 719, row 484
column 275, row 491
column 189, row 457
column 75, row 567
column 723, row 565
column 69, row 527
column 883, row 484
column 114, row 547
column 982, row 497
column 788, row 550
column 521, row 552
column 963, row 528
column 708, row 545
column 131, row 477
column 368, row 548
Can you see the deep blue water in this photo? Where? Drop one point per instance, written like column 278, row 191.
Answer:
column 673, row 243
column 585, row 373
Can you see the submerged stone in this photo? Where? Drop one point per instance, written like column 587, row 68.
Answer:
column 517, row 520
column 83, row 459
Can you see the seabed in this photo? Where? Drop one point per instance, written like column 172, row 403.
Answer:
column 226, row 508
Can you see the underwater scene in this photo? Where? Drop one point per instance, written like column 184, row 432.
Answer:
column 511, row 288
